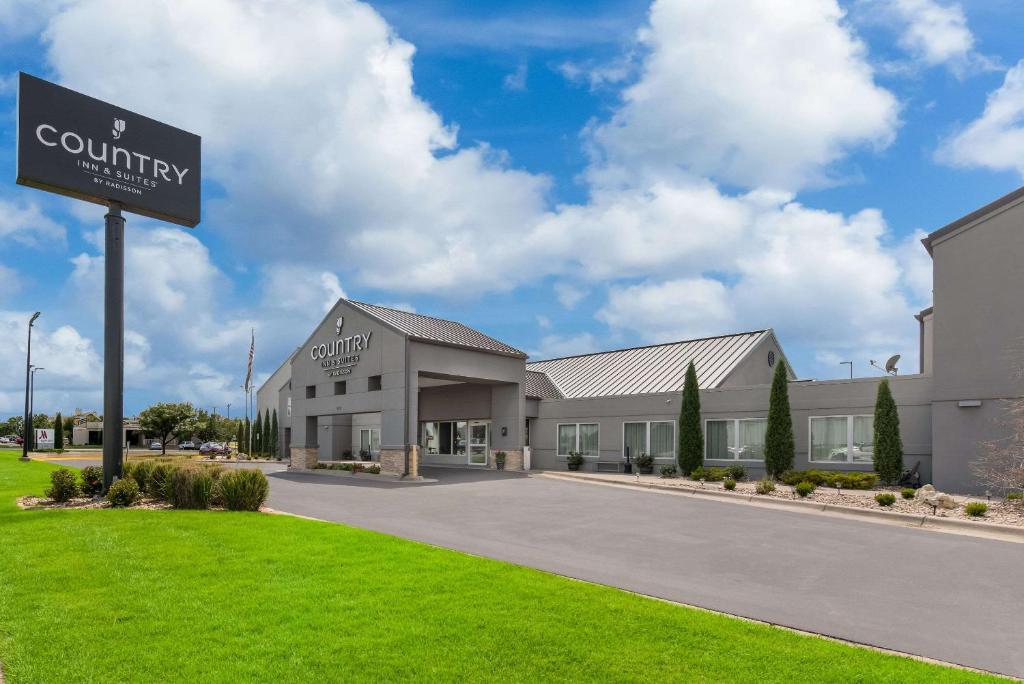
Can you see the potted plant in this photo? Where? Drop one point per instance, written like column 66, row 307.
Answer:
column 499, row 460
column 346, row 455
column 575, row 460
column 364, row 455
column 645, row 464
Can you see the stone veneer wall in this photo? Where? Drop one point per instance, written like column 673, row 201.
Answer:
column 393, row 461
column 303, row 458
column 513, row 459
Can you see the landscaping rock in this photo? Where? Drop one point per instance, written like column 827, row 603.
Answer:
column 941, row 500
column 925, row 491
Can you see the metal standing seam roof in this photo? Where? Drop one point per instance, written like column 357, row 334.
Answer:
column 438, row 330
column 648, row 370
column 539, row 385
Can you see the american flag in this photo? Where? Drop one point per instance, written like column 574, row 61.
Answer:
column 252, row 353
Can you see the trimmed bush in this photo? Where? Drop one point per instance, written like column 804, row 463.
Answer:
column 668, row 471
column 765, row 486
column 736, row 472
column 976, row 509
column 63, row 485
column 804, row 489
column 709, row 474
column 829, row 478
column 885, row 499
column 244, row 490
column 729, row 484
column 92, row 480
column 124, row 492
column 373, row 469
column 1015, row 496
column 908, row 492
column 190, row 487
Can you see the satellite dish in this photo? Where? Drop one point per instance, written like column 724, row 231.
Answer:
column 890, row 365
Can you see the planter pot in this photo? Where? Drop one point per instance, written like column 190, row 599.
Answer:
column 573, row 466
column 648, row 470
column 499, row 465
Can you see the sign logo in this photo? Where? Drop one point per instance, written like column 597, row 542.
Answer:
column 68, row 145
column 337, row 325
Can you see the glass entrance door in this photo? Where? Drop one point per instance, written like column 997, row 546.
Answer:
column 478, row 443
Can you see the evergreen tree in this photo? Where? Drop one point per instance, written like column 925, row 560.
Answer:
column 691, row 439
column 240, row 435
column 246, row 434
column 266, row 432
column 257, row 435
column 58, row 432
column 275, row 446
column 778, row 437
column 888, row 449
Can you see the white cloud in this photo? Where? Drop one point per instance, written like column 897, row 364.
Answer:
column 936, row 33
column 24, row 222
column 994, row 140
column 670, row 310
column 555, row 346
column 10, row 282
column 516, row 81
column 768, row 107
column 296, row 287
column 569, row 295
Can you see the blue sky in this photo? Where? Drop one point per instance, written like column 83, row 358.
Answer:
column 568, row 177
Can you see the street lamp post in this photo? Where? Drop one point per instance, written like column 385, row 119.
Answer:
column 28, row 393
column 32, row 401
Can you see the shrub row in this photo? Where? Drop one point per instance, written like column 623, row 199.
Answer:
column 830, row 478
column 187, row 485
column 373, row 468
column 708, row 474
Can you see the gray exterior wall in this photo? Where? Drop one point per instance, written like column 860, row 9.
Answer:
column 978, row 344
column 754, row 369
column 827, row 398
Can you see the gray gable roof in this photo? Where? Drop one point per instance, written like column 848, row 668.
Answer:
column 648, row 370
column 436, row 330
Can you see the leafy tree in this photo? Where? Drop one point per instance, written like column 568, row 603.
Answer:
column 779, row 448
column 58, row 432
column 275, row 445
column 15, row 425
column 888, row 453
column 69, row 429
column 205, row 430
column 41, row 421
column 691, row 439
column 164, row 420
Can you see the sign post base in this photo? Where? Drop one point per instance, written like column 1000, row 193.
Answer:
column 113, row 347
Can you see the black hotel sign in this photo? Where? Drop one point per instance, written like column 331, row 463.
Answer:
column 76, row 145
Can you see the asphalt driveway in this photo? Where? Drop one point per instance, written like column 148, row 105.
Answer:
column 949, row 597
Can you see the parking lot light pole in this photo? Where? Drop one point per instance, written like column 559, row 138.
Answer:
column 28, row 390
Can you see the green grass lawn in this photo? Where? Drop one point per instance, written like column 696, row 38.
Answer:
column 193, row 596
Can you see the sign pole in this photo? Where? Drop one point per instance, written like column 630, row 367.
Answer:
column 113, row 346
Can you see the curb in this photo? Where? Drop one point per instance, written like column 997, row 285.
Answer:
column 924, row 521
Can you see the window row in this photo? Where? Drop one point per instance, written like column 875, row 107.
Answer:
column 373, row 384
column 656, row 438
column 833, row 439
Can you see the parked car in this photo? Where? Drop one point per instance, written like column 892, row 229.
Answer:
column 5, row 440
column 155, row 445
column 187, row 446
column 214, row 448
column 206, row 447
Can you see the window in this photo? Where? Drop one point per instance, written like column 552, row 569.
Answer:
column 656, row 438
column 740, row 439
column 842, row 439
column 373, row 383
column 446, row 437
column 526, row 433
column 310, row 391
column 581, row 437
column 288, row 408
column 369, row 441
column 340, row 387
